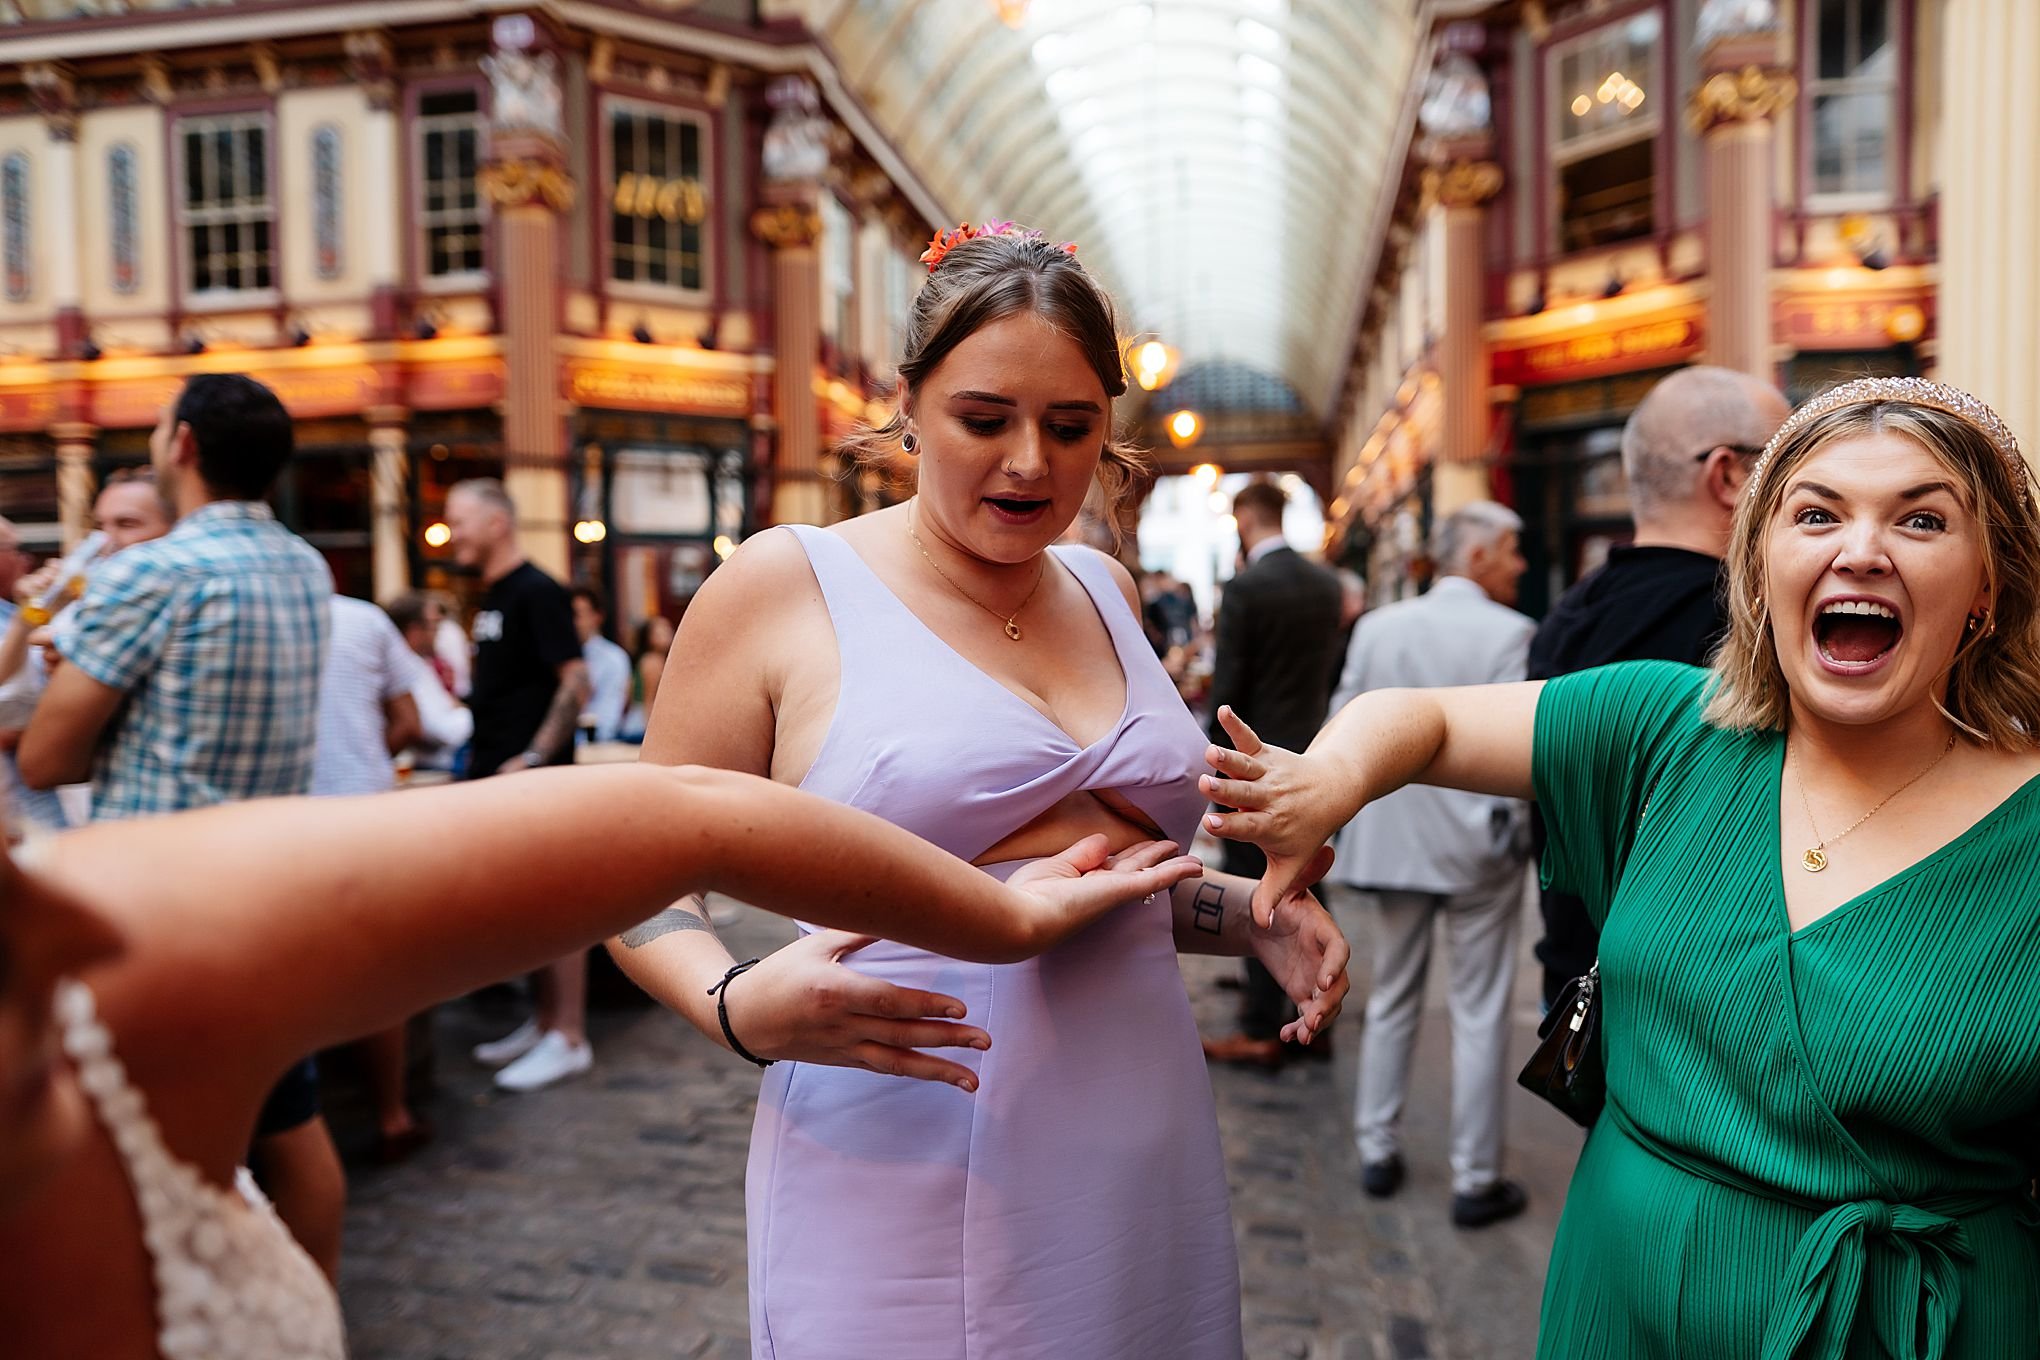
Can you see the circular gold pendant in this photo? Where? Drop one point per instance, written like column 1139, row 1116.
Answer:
column 1814, row 860
column 1012, row 630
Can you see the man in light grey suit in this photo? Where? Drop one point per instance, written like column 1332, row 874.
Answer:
column 1422, row 853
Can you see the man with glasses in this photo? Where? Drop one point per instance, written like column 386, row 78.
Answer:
column 1686, row 453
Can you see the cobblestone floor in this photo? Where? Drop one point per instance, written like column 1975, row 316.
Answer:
column 604, row 1218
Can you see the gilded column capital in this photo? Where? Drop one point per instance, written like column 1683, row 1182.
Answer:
column 787, row 226
column 522, row 181
column 55, row 95
column 372, row 65
column 1751, row 95
column 1463, row 183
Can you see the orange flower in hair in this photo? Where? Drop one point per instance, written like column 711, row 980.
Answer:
column 943, row 242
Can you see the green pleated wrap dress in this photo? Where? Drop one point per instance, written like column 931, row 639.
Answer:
column 1818, row 1144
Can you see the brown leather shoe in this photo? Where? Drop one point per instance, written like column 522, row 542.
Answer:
column 1242, row 1049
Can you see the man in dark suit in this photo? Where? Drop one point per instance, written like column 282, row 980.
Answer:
column 1686, row 455
column 1276, row 656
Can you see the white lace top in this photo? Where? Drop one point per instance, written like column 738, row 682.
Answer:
column 231, row 1283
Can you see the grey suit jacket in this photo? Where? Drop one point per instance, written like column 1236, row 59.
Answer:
column 1421, row 839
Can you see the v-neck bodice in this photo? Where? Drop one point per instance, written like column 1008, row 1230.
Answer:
column 931, row 742
column 1075, row 1204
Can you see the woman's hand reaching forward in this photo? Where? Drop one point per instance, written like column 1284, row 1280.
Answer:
column 1287, row 804
column 1066, row 892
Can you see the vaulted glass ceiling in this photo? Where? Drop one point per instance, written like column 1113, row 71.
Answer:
column 1218, row 162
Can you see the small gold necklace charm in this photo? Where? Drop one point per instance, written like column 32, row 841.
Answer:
column 1814, row 860
column 1012, row 630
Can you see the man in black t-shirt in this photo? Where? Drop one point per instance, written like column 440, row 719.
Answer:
column 530, row 685
column 1686, row 453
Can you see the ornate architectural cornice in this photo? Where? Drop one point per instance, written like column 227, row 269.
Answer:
column 1753, row 94
column 372, row 65
column 55, row 95
column 787, row 226
column 1463, row 184
column 519, row 183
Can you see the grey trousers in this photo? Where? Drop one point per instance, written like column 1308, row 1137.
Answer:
column 1481, row 926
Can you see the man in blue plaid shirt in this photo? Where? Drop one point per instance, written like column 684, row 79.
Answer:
column 190, row 670
column 188, row 675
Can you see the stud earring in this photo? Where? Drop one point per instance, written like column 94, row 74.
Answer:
column 908, row 444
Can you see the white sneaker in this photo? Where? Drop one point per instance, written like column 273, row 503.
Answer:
column 553, row 1058
column 511, row 1046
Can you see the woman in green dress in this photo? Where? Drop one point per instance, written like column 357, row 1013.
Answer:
column 1817, row 870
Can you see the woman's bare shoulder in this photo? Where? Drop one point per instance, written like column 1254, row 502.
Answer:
column 1114, row 568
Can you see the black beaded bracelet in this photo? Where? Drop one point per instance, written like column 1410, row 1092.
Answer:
column 722, row 1012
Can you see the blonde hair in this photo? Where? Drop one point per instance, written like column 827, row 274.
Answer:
column 1993, row 690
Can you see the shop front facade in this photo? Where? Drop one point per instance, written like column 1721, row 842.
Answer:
column 613, row 261
column 1601, row 192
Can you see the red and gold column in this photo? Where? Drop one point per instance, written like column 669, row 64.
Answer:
column 1461, row 185
column 791, row 226
column 75, row 440
column 1735, row 110
column 526, row 181
column 389, row 496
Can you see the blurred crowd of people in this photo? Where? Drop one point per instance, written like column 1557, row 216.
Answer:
column 191, row 651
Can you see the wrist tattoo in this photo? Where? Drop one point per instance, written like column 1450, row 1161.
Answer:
column 665, row 923
column 1207, row 909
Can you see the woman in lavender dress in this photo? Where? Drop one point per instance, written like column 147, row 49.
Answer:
column 1058, row 1191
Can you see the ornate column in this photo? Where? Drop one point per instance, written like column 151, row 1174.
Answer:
column 76, row 485
column 372, row 67
column 1734, row 111
column 56, row 98
column 389, row 499
column 796, row 155
column 527, row 181
column 1989, row 305
column 1460, row 181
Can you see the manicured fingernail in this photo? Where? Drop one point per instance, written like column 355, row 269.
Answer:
column 966, row 1084
column 1213, row 822
column 981, row 1044
column 954, row 1012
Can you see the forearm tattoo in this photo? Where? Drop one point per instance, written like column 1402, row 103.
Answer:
column 556, row 733
column 1207, row 909
column 665, row 923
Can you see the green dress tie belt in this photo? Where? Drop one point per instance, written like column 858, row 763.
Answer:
column 1820, row 1294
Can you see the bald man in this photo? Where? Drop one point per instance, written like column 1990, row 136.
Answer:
column 1686, row 454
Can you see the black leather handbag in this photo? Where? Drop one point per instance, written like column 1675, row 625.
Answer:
column 1566, row 1070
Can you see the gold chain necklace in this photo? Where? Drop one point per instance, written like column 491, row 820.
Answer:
column 1815, row 859
column 1012, row 628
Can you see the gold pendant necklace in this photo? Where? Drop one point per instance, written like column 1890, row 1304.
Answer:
column 1012, row 628
column 1815, row 859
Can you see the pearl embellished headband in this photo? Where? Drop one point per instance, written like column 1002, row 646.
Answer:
column 1911, row 392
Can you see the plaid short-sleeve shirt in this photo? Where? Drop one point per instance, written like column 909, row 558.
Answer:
column 216, row 633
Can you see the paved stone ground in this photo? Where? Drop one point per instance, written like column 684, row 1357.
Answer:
column 604, row 1218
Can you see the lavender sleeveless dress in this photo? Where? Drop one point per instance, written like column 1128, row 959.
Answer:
column 1075, row 1207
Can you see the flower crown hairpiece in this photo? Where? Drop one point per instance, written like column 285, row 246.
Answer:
column 1912, row 392
column 946, row 241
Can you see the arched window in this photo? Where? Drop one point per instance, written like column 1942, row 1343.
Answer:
column 14, row 225
column 328, row 232
column 120, row 203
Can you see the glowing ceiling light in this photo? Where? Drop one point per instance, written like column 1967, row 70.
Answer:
column 1206, row 475
column 1581, row 106
column 1185, row 427
column 1153, row 364
column 724, row 546
column 590, row 531
column 437, row 535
